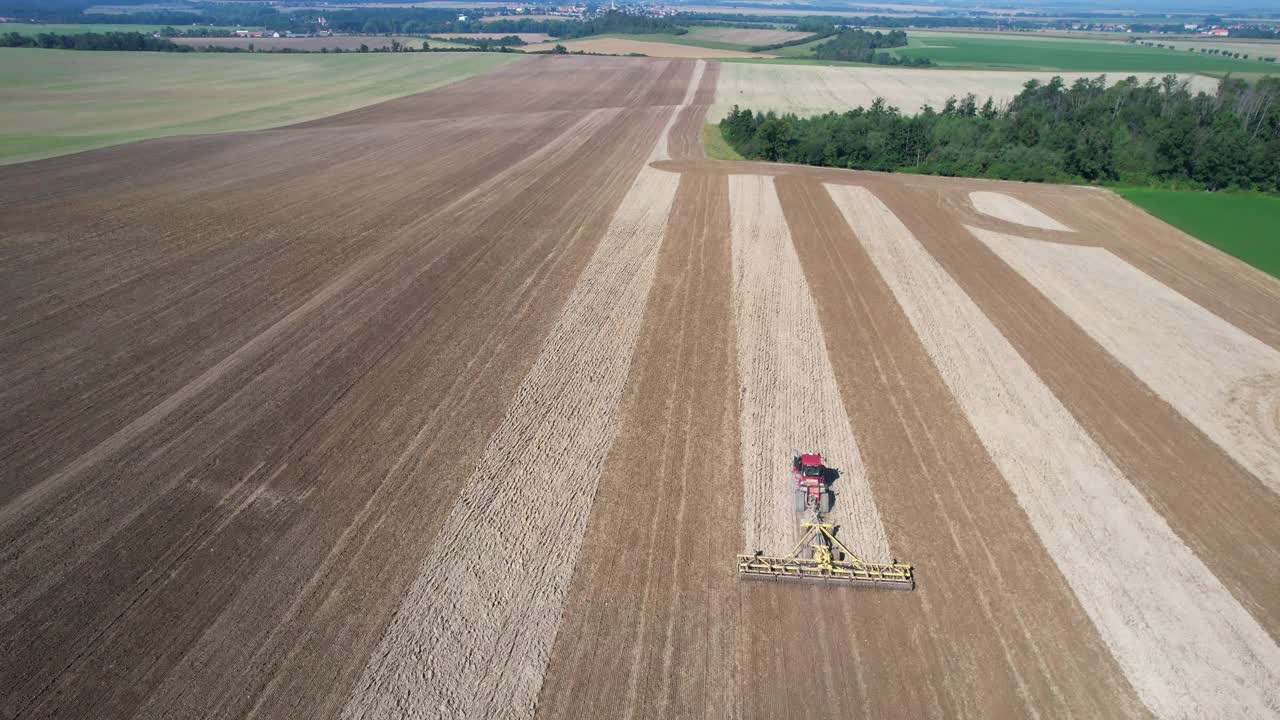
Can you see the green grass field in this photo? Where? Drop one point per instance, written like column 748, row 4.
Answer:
column 36, row 29
column 54, row 102
column 1013, row 53
column 1241, row 224
column 714, row 145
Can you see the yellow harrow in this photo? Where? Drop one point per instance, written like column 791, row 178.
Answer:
column 829, row 561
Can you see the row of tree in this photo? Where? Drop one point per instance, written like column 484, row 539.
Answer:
column 1153, row 133
column 92, row 41
column 861, row 46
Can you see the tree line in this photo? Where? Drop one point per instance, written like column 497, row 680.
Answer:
column 1152, row 133
column 861, row 46
column 93, row 41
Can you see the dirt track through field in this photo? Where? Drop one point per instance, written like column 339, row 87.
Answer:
column 789, row 401
column 1187, row 646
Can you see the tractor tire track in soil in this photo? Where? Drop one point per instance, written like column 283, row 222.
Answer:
column 789, row 399
column 1186, row 645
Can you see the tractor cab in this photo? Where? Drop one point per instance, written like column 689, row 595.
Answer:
column 809, row 465
column 812, row 478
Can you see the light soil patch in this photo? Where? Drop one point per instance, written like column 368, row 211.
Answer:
column 790, row 400
column 1187, row 646
column 742, row 36
column 1219, row 377
column 813, row 90
column 1011, row 209
column 620, row 46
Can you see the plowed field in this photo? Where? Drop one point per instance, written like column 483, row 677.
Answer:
column 461, row 405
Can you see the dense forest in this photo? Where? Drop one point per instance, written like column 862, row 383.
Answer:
column 861, row 46
column 1153, row 133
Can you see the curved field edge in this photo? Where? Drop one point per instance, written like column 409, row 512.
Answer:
column 1239, row 224
column 57, row 102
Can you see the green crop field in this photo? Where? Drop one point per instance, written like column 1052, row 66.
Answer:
column 54, row 102
column 36, row 29
column 1241, row 224
column 1013, row 53
column 714, row 145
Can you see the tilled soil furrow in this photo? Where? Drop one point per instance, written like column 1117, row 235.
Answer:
column 1213, row 504
column 947, row 510
column 789, row 400
column 1184, row 642
column 528, row 498
column 306, row 436
column 336, row 312
column 1219, row 377
column 651, row 622
column 162, row 330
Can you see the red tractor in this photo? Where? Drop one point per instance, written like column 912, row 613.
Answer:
column 813, row 483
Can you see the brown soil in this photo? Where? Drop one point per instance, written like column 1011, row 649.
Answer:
column 259, row 386
column 235, row 429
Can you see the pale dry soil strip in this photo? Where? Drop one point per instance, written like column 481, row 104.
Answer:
column 1219, row 377
column 1189, row 649
column 1011, row 209
column 790, row 400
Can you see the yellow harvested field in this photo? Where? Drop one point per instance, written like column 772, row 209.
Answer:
column 813, row 90
column 619, row 46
